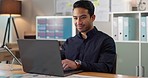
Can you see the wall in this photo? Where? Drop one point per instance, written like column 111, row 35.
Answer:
column 3, row 21
column 32, row 8
column 103, row 26
column 26, row 23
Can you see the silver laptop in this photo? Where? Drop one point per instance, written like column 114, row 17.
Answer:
column 42, row 57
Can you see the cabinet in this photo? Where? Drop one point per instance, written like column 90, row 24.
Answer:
column 130, row 32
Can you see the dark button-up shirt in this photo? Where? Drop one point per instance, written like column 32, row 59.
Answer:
column 97, row 52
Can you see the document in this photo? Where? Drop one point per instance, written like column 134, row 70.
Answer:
column 102, row 11
column 28, row 75
column 63, row 6
column 82, row 76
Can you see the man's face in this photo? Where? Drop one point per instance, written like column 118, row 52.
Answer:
column 82, row 20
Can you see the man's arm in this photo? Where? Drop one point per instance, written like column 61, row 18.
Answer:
column 106, row 60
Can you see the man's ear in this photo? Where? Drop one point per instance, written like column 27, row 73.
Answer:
column 93, row 17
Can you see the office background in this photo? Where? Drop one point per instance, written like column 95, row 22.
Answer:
column 30, row 9
column 26, row 25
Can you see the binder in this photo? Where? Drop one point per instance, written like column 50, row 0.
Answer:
column 129, row 28
column 147, row 27
column 115, row 28
column 143, row 29
column 120, row 28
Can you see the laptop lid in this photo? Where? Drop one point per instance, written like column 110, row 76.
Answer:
column 41, row 56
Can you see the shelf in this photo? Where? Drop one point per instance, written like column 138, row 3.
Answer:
column 129, row 12
column 127, row 45
column 144, row 42
column 127, row 41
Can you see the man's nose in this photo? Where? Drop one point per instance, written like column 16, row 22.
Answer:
column 79, row 21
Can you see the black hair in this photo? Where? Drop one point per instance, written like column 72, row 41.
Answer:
column 85, row 4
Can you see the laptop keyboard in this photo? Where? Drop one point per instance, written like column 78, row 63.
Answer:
column 72, row 71
column 68, row 70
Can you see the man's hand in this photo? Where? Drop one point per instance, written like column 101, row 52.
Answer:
column 69, row 64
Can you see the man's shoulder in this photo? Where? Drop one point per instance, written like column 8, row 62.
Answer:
column 74, row 38
column 102, row 34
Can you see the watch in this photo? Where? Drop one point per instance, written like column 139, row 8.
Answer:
column 78, row 63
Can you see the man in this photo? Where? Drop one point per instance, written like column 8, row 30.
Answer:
column 90, row 49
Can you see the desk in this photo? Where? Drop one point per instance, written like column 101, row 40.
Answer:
column 4, row 55
column 4, row 70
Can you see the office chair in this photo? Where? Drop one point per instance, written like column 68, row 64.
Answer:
column 113, row 71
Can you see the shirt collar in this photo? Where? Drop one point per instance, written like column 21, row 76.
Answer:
column 89, row 34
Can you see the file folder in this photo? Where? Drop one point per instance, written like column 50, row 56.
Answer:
column 120, row 28
column 115, row 28
column 147, row 27
column 129, row 28
column 143, row 29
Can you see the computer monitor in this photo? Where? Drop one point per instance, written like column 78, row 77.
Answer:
column 55, row 27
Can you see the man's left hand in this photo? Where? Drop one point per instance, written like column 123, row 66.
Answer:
column 69, row 64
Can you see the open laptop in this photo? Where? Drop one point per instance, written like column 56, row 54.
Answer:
column 42, row 57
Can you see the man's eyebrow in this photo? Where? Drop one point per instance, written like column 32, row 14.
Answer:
column 83, row 15
column 74, row 16
column 80, row 15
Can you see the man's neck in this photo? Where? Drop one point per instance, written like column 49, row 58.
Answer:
column 84, row 35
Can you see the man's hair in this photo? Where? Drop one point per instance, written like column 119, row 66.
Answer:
column 85, row 4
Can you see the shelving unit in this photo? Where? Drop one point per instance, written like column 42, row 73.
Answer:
column 131, row 53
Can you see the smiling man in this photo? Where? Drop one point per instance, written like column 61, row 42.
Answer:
column 89, row 50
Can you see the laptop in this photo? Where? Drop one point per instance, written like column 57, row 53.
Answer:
column 42, row 57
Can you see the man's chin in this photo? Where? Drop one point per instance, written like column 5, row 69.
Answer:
column 81, row 30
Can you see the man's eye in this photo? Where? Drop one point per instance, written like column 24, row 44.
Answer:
column 75, row 18
column 83, row 17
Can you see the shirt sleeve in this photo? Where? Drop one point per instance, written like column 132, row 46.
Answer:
column 62, row 49
column 62, row 52
column 106, row 61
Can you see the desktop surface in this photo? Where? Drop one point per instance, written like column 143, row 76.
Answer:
column 5, row 71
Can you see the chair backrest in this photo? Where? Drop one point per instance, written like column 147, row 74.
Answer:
column 113, row 71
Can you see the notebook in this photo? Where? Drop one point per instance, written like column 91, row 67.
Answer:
column 42, row 57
